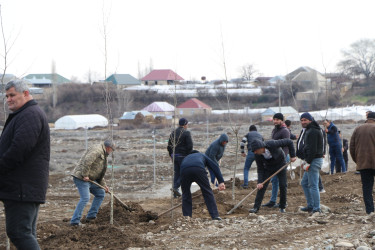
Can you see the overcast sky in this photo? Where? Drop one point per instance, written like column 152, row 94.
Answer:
column 189, row 37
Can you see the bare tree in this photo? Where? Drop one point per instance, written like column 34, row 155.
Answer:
column 7, row 46
column 359, row 59
column 248, row 72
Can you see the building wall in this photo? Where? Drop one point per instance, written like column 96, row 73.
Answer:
column 192, row 111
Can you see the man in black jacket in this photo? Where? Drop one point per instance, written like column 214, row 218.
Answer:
column 193, row 169
column 180, row 145
column 24, row 164
column 301, row 145
column 313, row 151
column 270, row 158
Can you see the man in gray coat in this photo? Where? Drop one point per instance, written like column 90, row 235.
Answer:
column 215, row 151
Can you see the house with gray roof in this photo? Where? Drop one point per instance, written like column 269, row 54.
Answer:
column 45, row 80
column 123, row 80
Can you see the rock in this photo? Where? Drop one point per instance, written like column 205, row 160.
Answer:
column 329, row 247
column 324, row 209
column 363, row 248
column 344, row 244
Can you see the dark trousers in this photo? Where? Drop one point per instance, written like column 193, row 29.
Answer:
column 336, row 153
column 367, row 178
column 282, row 185
column 20, row 220
column 338, row 165
column 177, row 178
column 199, row 176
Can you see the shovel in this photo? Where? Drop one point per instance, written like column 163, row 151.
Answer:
column 118, row 199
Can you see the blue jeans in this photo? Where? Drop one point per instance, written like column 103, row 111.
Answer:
column 310, row 183
column 84, row 189
column 336, row 153
column 250, row 157
column 20, row 219
column 275, row 184
column 367, row 178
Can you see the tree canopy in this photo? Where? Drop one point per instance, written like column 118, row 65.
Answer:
column 359, row 59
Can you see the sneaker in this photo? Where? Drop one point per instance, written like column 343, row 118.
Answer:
column 176, row 193
column 88, row 220
column 306, row 209
column 216, row 218
column 282, row 210
column 277, row 205
column 269, row 204
column 322, row 191
column 77, row 224
column 245, row 186
column 254, row 210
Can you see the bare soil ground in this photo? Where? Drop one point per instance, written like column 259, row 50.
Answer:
column 346, row 225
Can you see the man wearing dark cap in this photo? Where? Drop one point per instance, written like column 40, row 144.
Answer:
column 250, row 157
column 362, row 148
column 270, row 158
column 180, row 145
column 92, row 166
column 279, row 132
column 301, row 145
column 193, row 169
column 313, row 152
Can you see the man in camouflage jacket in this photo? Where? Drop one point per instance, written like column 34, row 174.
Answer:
column 92, row 166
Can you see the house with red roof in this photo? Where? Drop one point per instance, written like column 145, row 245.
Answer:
column 193, row 106
column 161, row 77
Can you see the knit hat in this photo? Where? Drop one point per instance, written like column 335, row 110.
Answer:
column 307, row 116
column 278, row 116
column 183, row 122
column 371, row 115
column 109, row 144
column 256, row 144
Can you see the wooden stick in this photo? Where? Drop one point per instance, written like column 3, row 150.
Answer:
column 239, row 203
column 118, row 199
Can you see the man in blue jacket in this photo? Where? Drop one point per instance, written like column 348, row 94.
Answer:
column 270, row 158
column 215, row 152
column 24, row 164
column 193, row 169
column 335, row 146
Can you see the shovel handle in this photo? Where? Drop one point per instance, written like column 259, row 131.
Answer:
column 118, row 199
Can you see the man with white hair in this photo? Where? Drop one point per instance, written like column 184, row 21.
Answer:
column 24, row 164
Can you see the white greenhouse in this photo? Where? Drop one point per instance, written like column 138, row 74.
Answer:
column 81, row 121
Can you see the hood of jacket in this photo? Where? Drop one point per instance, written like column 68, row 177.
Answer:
column 223, row 138
column 256, row 144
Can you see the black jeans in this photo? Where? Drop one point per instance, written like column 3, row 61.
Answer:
column 367, row 178
column 282, row 185
column 177, row 177
column 198, row 175
column 20, row 220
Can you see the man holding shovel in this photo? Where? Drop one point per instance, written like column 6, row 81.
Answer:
column 92, row 166
column 270, row 157
column 193, row 169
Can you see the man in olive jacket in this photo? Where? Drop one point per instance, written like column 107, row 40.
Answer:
column 92, row 166
column 362, row 148
column 24, row 164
